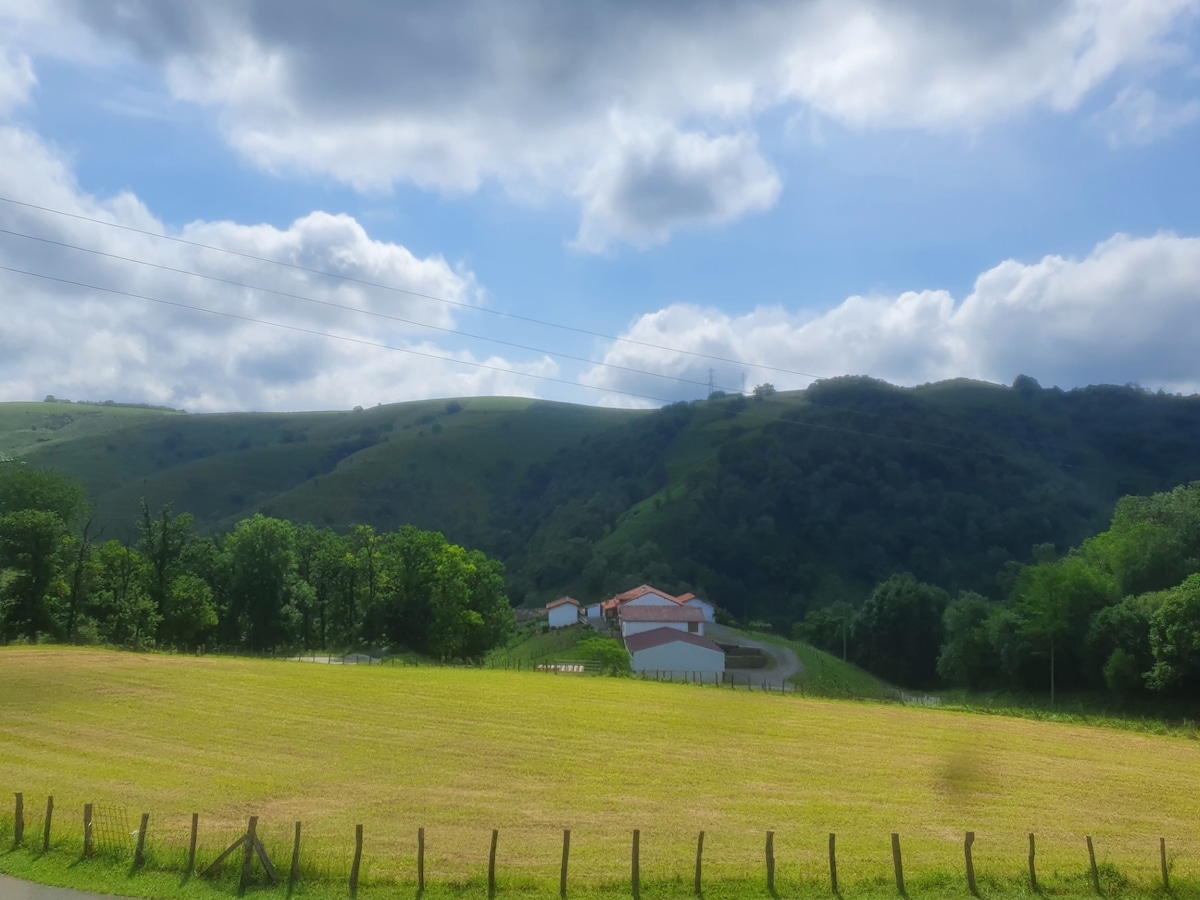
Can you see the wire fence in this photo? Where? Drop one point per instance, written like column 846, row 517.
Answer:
column 284, row 853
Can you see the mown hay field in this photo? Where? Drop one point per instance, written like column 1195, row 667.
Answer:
column 460, row 752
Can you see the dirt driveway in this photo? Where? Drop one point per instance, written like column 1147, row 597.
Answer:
column 786, row 662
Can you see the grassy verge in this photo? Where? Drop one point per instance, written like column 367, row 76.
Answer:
column 163, row 879
column 460, row 752
column 531, row 646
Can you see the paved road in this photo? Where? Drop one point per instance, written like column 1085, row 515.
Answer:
column 11, row 889
column 786, row 662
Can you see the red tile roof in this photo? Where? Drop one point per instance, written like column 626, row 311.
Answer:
column 659, row 636
column 562, row 600
column 661, row 614
column 684, row 598
column 641, row 591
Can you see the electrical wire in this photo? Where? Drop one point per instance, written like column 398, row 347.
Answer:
column 548, row 378
column 351, row 309
column 386, row 287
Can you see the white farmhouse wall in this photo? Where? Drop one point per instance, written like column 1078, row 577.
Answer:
column 628, row 628
column 564, row 615
column 650, row 600
column 594, row 611
column 679, row 657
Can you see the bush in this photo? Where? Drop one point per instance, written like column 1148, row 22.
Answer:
column 608, row 652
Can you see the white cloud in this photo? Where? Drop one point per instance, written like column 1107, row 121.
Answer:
column 535, row 96
column 1138, row 116
column 1128, row 312
column 653, row 182
column 82, row 343
column 16, row 79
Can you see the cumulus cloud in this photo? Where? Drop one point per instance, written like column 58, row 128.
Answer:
column 16, row 79
column 654, row 182
column 86, row 343
column 1139, row 116
column 540, row 96
column 1125, row 313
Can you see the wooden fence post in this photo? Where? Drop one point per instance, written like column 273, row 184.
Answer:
column 898, row 863
column 294, row 873
column 1092, row 859
column 1032, row 867
column 771, row 863
column 492, row 864
column 46, row 830
column 87, row 830
column 19, row 823
column 248, row 858
column 636, row 874
column 354, row 868
column 139, row 853
column 1162, row 856
column 699, row 863
column 833, row 861
column 971, row 886
column 191, row 865
column 562, row 879
column 421, row 860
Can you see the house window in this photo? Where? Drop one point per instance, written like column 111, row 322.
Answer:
column 693, row 627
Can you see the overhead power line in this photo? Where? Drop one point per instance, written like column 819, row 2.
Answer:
column 548, row 378
column 325, row 334
column 709, row 384
column 352, row 309
column 399, row 290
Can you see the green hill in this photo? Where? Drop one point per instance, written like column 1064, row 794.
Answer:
column 768, row 505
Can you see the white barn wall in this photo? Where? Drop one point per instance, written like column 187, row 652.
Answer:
column 703, row 605
column 679, row 657
column 564, row 615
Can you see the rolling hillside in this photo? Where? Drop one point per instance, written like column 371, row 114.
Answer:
column 768, row 505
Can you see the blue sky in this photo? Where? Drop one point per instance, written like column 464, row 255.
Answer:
column 913, row 190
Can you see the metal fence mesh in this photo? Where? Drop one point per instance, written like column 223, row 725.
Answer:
column 111, row 831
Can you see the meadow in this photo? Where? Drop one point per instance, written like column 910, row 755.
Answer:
column 460, row 752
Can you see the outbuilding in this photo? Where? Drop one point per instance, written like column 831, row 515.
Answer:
column 675, row 654
column 563, row 612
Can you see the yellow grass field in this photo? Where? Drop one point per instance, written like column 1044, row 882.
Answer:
column 462, row 752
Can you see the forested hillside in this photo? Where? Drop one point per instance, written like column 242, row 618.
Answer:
column 1120, row 612
column 770, row 505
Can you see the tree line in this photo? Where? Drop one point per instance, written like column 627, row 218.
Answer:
column 266, row 585
column 1120, row 613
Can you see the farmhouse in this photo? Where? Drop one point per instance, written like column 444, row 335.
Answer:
column 563, row 612
column 676, row 653
column 636, row 619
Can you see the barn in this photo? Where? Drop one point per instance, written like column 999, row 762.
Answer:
column 563, row 612
column 676, row 654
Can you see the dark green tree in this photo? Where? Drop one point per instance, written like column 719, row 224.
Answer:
column 899, row 630
column 968, row 657
column 1175, row 640
column 261, row 557
column 31, row 551
column 164, row 543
